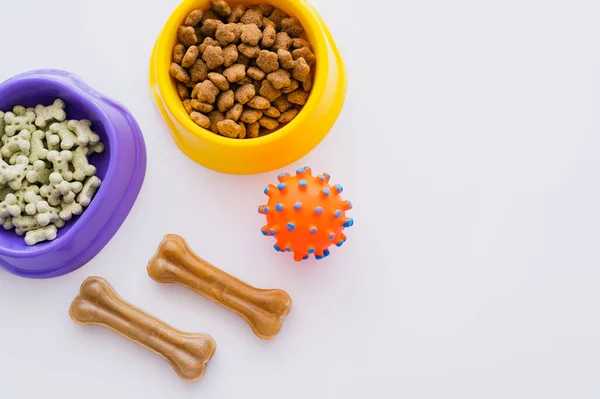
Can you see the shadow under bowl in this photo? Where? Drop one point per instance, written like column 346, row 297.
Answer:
column 121, row 167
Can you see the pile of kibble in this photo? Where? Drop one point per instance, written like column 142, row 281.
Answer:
column 242, row 72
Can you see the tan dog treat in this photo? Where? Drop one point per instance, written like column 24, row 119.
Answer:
column 237, row 12
column 200, row 119
column 249, row 51
column 194, row 18
column 98, row 304
column 280, row 78
column 292, row 27
column 187, row 105
column 258, row 102
column 215, row 117
column 285, row 59
column 229, row 128
column 267, row 61
column 252, row 130
column 179, row 73
column 230, row 54
column 291, row 88
column 268, row 123
column 301, row 70
column 267, row 22
column 210, row 26
column 250, row 115
column 183, row 91
column 235, row 112
column 220, row 7
column 178, row 53
column 268, row 91
column 277, row 16
column 288, row 115
column 225, row 34
column 308, row 83
column 298, row 97
column 263, row 310
column 272, row 113
column 207, row 92
column 305, row 53
column 190, row 57
column 282, row 42
column 225, row 100
column 251, row 34
column 213, row 56
column 255, row 73
column 269, row 34
column 209, row 41
column 187, row 36
column 199, row 71
column 242, row 134
column 205, row 108
column 235, row 72
column 299, row 43
column 282, row 104
column 219, row 80
column 208, row 14
column 252, row 17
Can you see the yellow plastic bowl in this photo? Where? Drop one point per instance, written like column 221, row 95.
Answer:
column 266, row 153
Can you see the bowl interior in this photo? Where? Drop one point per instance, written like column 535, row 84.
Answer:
column 32, row 92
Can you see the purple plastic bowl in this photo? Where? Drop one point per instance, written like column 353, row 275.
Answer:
column 121, row 167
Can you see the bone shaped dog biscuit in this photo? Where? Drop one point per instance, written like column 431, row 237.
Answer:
column 98, row 304
column 264, row 310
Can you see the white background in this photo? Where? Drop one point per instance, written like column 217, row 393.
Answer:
column 469, row 147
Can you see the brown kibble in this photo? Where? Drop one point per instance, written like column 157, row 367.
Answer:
column 242, row 59
column 179, row 73
column 209, row 14
column 187, row 105
column 268, row 22
column 252, row 130
column 305, row 53
column 268, row 91
column 252, row 17
column 213, row 56
column 291, row 87
column 205, row 108
column 200, row 119
column 225, row 34
column 267, row 61
column 210, row 26
column 243, row 131
column 273, row 112
column 245, row 93
column 187, row 36
column 178, row 53
column 255, row 73
column 235, row 112
column 301, row 70
column 282, row 42
column 280, row 78
column 299, row 43
column 249, row 51
column 220, row 7
column 277, row 16
column 282, row 104
column 264, row 9
column 308, row 83
column 230, row 54
column 225, row 101
column 194, row 18
column 207, row 92
column 250, row 115
column 237, row 12
column 215, row 117
column 183, row 91
column 199, row 71
column 269, row 35
column 190, row 57
column 237, row 30
column 258, row 102
column 251, row 34
column 287, row 116
column 268, row 123
column 219, row 81
column 229, row 128
column 292, row 27
column 285, row 59
column 209, row 41
column 298, row 97
column 235, row 72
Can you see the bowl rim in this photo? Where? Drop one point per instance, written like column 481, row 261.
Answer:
column 173, row 103
column 95, row 205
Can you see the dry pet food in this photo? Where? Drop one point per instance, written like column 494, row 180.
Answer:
column 45, row 175
column 241, row 72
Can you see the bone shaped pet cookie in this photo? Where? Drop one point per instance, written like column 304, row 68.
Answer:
column 98, row 304
column 19, row 143
column 263, row 310
column 15, row 122
column 54, row 112
column 85, row 135
column 68, row 139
